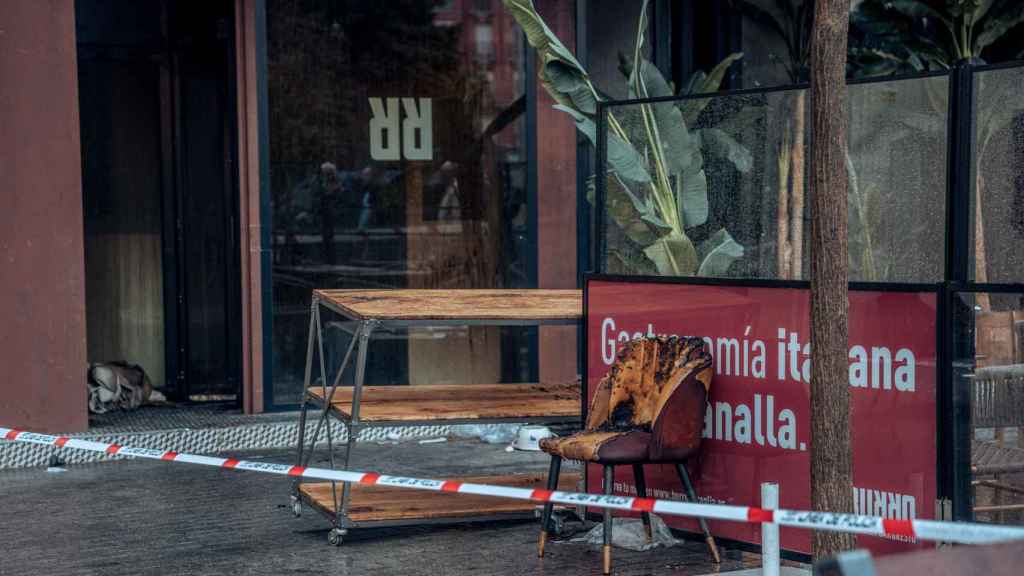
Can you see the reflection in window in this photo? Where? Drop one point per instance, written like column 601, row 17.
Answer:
column 397, row 161
column 990, row 363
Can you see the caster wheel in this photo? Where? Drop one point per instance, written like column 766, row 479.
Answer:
column 334, row 537
column 297, row 509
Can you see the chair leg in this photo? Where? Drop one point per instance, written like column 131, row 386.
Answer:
column 685, row 477
column 609, row 478
column 545, row 522
column 641, row 491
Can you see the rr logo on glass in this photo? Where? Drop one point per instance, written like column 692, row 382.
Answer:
column 416, row 134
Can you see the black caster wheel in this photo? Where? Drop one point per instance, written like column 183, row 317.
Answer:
column 335, row 537
column 296, row 506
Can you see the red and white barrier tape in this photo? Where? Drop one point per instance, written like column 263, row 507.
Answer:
column 960, row 532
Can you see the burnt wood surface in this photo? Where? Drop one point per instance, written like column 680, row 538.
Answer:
column 380, row 503
column 470, row 305
column 459, row 401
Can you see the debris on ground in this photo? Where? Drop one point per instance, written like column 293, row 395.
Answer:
column 119, row 385
column 629, row 533
column 489, row 433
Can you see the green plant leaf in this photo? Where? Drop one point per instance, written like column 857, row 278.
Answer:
column 916, row 9
column 719, row 251
column 622, row 156
column 673, row 255
column 692, row 83
column 568, row 81
column 637, row 220
column 537, row 32
column 720, row 143
column 692, row 197
column 994, row 26
column 692, row 108
column 622, row 261
column 679, row 148
column 561, row 73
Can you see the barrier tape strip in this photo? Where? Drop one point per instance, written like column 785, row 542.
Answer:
column 959, row 532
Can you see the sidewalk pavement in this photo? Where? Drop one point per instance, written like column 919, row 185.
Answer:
column 151, row 517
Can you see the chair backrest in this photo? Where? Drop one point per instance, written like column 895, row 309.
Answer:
column 645, row 383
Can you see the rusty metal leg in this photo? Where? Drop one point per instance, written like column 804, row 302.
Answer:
column 341, row 507
column 692, row 495
column 641, row 491
column 545, row 519
column 609, row 479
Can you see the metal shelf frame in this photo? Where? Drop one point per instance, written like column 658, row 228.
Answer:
column 362, row 329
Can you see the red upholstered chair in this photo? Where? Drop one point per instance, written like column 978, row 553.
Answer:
column 648, row 409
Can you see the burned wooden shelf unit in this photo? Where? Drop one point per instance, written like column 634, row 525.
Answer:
column 362, row 406
column 382, row 504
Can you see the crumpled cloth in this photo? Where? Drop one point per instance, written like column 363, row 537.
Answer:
column 118, row 385
column 629, row 533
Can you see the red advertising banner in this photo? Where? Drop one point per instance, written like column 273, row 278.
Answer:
column 757, row 423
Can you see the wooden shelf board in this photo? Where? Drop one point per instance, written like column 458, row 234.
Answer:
column 458, row 401
column 381, row 503
column 447, row 305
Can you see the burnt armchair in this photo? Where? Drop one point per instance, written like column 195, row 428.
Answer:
column 648, row 409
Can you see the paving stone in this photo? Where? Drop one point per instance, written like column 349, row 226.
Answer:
column 147, row 518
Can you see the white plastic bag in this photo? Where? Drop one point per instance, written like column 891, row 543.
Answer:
column 629, row 533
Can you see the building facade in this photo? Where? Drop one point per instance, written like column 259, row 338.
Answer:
column 180, row 176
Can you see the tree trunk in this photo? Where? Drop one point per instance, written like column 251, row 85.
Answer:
column 980, row 260
column 796, row 226
column 783, row 257
column 831, row 466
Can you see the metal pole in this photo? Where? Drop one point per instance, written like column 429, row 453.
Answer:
column 770, row 531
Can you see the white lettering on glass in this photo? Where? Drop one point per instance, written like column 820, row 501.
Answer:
column 416, row 120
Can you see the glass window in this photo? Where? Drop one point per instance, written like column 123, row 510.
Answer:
column 997, row 202
column 719, row 211
column 775, row 41
column 897, row 179
column 885, row 37
column 735, row 201
column 397, row 152
column 889, row 37
column 990, row 363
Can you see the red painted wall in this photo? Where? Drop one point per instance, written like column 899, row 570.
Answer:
column 42, row 279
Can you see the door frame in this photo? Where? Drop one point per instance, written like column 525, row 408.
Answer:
column 175, row 268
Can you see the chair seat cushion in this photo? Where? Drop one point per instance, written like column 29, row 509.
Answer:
column 603, row 447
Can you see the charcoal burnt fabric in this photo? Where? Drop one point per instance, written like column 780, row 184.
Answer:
column 648, row 408
column 609, row 447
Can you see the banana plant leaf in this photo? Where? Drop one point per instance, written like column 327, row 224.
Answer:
column 692, row 197
column 561, row 73
column 673, row 255
column 719, row 143
column 637, row 218
column 995, row 26
column 680, row 150
column 622, row 156
column 691, row 109
column 720, row 251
